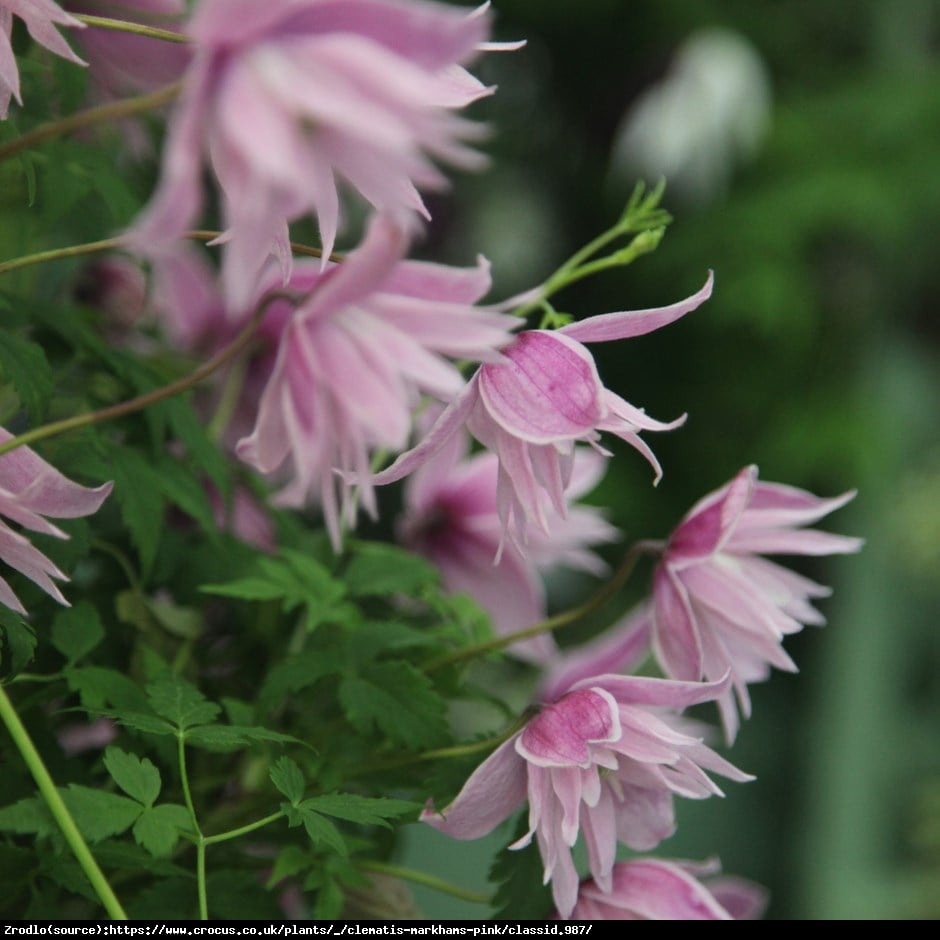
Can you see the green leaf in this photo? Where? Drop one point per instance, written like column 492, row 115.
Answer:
column 98, row 686
column 137, row 777
column 330, row 901
column 177, row 700
column 291, row 860
column 298, row 673
column 77, row 631
column 246, row 589
column 20, row 641
column 323, row 831
column 287, row 777
column 183, row 490
column 378, row 568
column 158, row 828
column 98, row 814
column 232, row 737
column 24, row 365
column 369, row 811
column 29, row 816
column 398, row 699
column 142, row 721
column 200, row 448
column 137, row 487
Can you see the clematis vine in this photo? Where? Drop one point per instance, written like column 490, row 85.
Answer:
column 451, row 518
column 30, row 490
column 41, row 18
column 605, row 760
column 656, row 889
column 285, row 99
column 536, row 403
column 720, row 606
column 353, row 361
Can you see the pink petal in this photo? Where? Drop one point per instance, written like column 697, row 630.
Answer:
column 549, row 390
column 705, row 528
column 629, row 323
column 491, row 794
column 559, row 735
column 676, row 639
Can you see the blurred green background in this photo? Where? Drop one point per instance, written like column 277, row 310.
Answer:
column 802, row 147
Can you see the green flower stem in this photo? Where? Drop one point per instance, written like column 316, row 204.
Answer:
column 556, row 622
column 117, row 244
column 125, row 26
column 55, row 254
column 101, row 114
column 57, row 807
column 443, row 753
column 200, row 839
column 157, row 395
column 429, row 881
column 243, row 830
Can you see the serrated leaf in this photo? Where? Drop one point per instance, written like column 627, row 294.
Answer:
column 98, row 814
column 378, row 568
column 20, row 641
column 142, row 721
column 158, row 828
column 321, row 830
column 299, row 672
column 200, row 448
column 289, row 779
column 290, row 860
column 29, row 816
column 239, row 895
column 140, row 499
column 98, row 686
column 368, row 811
column 330, row 900
column 24, row 365
column 184, row 491
column 231, row 737
column 180, row 702
column 136, row 776
column 77, row 631
column 399, row 700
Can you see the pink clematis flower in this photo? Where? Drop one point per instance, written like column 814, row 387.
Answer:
column 655, row 889
column 720, row 606
column 30, row 490
column 354, row 359
column 287, row 97
column 606, row 760
column 41, row 18
column 451, row 518
column 534, row 405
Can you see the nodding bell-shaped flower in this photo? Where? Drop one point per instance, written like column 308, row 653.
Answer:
column 541, row 399
column 719, row 606
column 286, row 99
column 657, row 889
column 604, row 760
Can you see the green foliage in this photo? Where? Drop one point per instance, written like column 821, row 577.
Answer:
column 19, row 642
column 24, row 365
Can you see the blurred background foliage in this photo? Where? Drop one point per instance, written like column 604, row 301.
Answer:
column 816, row 359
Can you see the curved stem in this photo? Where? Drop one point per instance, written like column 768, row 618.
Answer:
column 442, row 753
column 55, row 254
column 117, row 244
column 157, row 395
column 103, row 113
column 243, row 830
column 429, row 881
column 556, row 622
column 125, row 26
column 57, row 807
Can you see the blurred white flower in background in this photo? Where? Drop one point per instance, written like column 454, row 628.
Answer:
column 709, row 114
